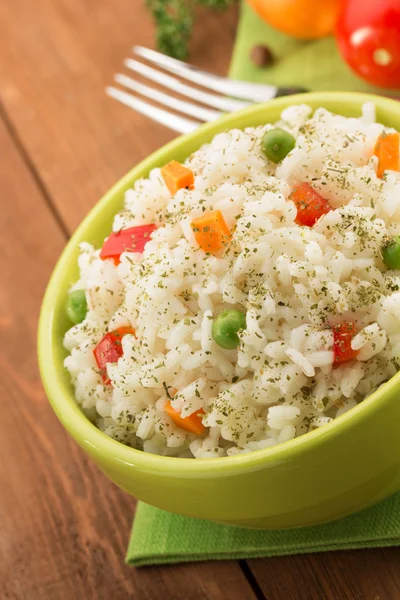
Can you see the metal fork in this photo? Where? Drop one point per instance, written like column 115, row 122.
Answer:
column 241, row 93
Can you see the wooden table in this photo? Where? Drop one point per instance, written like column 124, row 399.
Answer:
column 63, row 526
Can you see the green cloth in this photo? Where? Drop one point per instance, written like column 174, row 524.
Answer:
column 159, row 537
column 314, row 65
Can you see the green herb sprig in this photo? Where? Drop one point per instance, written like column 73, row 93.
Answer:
column 174, row 21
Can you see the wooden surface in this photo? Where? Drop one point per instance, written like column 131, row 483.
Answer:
column 63, row 526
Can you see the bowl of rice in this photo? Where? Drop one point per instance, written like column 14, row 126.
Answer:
column 222, row 332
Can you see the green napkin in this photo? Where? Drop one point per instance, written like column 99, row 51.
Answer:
column 159, row 537
column 314, row 65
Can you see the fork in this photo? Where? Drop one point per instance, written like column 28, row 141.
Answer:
column 241, row 93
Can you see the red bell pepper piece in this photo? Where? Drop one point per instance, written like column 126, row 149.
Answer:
column 310, row 205
column 109, row 349
column 343, row 333
column 132, row 239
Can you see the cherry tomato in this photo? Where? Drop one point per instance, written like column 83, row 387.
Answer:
column 368, row 36
column 304, row 19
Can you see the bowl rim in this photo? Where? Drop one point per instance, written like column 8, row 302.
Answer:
column 95, row 441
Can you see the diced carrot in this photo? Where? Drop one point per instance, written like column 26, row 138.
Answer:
column 310, row 205
column 176, row 176
column 211, row 231
column 343, row 333
column 387, row 150
column 192, row 423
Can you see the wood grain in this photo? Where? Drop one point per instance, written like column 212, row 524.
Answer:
column 52, row 85
column 350, row 575
column 66, row 526
column 63, row 526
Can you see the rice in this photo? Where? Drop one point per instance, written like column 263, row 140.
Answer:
column 293, row 282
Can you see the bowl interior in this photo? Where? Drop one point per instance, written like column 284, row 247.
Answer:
column 97, row 225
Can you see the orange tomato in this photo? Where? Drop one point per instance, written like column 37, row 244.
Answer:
column 304, row 19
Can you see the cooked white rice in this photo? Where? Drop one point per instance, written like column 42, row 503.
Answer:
column 292, row 282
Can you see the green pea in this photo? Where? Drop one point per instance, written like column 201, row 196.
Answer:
column 76, row 306
column 226, row 327
column 391, row 253
column 277, row 143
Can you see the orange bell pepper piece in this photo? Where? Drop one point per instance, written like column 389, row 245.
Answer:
column 192, row 423
column 387, row 150
column 176, row 176
column 211, row 231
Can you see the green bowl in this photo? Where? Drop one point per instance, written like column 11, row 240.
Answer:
column 341, row 468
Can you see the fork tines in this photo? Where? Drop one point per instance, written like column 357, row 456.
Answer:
column 241, row 93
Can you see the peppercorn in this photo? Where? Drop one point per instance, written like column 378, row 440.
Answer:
column 261, row 55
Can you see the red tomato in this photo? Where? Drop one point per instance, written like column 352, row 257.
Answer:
column 132, row 239
column 343, row 333
column 310, row 205
column 109, row 349
column 368, row 36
